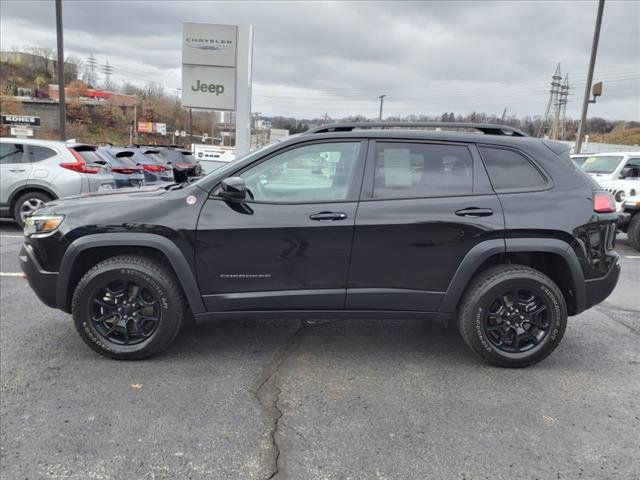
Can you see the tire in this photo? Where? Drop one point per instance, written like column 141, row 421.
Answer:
column 633, row 231
column 28, row 202
column 133, row 336
column 514, row 336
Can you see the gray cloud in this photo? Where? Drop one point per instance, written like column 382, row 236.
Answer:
column 312, row 57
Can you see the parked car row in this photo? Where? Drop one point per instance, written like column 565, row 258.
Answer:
column 33, row 172
column 619, row 174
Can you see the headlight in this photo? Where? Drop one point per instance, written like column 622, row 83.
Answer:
column 41, row 225
column 620, row 195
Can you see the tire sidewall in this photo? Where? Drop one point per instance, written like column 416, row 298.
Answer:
column 89, row 287
column 556, row 318
column 20, row 201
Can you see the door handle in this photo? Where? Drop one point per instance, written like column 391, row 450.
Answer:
column 17, row 169
column 331, row 216
column 474, row 212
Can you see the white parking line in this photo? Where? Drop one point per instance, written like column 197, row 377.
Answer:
column 11, row 236
column 632, row 256
column 11, row 274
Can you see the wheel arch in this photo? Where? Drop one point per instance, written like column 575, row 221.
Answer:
column 85, row 252
column 25, row 189
column 552, row 257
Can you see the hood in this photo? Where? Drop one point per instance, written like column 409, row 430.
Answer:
column 115, row 195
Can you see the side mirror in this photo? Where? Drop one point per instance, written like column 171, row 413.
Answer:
column 233, row 188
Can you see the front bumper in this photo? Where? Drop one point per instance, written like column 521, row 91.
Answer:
column 598, row 289
column 41, row 281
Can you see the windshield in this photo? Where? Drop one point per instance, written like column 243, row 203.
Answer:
column 603, row 164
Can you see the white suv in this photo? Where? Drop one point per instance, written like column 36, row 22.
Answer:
column 33, row 172
column 616, row 172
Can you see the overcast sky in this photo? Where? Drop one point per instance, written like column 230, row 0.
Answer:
column 336, row 58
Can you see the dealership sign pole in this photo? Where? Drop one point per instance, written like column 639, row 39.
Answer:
column 216, row 72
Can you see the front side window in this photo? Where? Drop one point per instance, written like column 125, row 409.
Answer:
column 412, row 170
column 632, row 168
column 510, row 170
column 320, row 172
column 11, row 153
column 37, row 153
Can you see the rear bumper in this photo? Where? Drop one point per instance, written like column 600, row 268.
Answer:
column 598, row 289
column 41, row 281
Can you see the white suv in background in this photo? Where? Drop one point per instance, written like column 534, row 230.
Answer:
column 616, row 172
column 33, row 172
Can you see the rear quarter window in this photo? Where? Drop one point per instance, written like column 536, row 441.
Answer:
column 510, row 170
column 37, row 153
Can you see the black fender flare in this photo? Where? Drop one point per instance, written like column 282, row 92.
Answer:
column 178, row 262
column 482, row 251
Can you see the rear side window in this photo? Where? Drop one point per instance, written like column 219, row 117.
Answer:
column 413, row 170
column 90, row 156
column 12, row 153
column 510, row 170
column 37, row 154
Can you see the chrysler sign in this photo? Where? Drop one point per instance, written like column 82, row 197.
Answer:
column 208, row 44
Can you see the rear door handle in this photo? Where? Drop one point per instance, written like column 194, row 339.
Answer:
column 474, row 212
column 331, row 216
column 17, row 169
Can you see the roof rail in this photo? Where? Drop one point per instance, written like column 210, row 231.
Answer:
column 486, row 128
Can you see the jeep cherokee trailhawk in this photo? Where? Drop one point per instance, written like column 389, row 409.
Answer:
column 471, row 223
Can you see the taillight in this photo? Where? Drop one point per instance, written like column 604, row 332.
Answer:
column 603, row 202
column 79, row 165
column 126, row 171
column 154, row 168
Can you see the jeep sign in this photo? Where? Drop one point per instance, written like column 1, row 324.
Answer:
column 209, row 87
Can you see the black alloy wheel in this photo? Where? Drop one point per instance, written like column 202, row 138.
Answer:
column 125, row 312
column 516, row 321
column 512, row 315
column 128, row 307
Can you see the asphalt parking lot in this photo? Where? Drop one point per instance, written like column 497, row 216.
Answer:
column 317, row 400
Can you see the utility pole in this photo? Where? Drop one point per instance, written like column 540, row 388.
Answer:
column 549, row 115
column 191, row 126
column 135, row 120
column 381, row 97
column 587, row 87
column 61, row 96
column 504, row 113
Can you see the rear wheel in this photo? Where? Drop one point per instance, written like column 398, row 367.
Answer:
column 28, row 203
column 512, row 316
column 633, row 231
column 128, row 307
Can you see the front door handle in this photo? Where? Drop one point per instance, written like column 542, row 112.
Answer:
column 331, row 216
column 17, row 169
column 474, row 212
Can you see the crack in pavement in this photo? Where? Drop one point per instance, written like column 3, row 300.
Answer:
column 268, row 393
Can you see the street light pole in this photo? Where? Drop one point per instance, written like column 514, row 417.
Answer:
column 587, row 87
column 61, row 95
column 381, row 97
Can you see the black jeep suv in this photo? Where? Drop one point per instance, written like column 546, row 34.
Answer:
column 483, row 226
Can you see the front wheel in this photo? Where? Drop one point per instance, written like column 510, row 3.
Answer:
column 128, row 307
column 512, row 316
